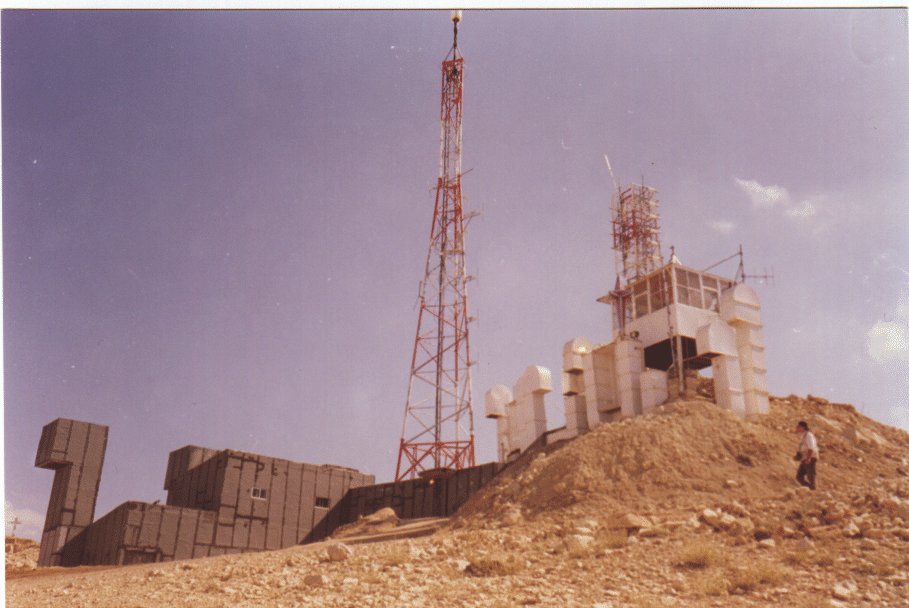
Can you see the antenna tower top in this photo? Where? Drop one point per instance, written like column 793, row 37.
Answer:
column 636, row 231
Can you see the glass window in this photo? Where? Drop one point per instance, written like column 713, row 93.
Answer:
column 640, row 305
column 639, row 293
column 681, row 277
column 689, row 288
column 260, row 493
column 694, row 281
column 657, row 296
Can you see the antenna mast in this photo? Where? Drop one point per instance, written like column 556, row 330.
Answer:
column 437, row 435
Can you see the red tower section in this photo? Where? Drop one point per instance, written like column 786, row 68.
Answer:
column 437, row 436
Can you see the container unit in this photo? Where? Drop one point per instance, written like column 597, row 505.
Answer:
column 654, row 389
column 496, row 403
column 198, row 485
column 522, row 420
column 629, row 363
column 218, row 501
column 75, row 451
column 740, row 308
column 573, row 354
column 529, row 409
column 599, row 385
column 266, row 502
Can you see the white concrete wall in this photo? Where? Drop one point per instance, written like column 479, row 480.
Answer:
column 717, row 338
column 599, row 385
column 629, row 363
column 740, row 307
column 727, row 384
column 497, row 401
column 529, row 408
column 573, row 354
column 654, row 389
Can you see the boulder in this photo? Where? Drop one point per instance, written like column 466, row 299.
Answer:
column 511, row 516
column 726, row 521
column 710, row 517
column 628, row 521
column 844, row 590
column 314, row 580
column 835, row 513
column 338, row 552
column 578, row 542
column 851, row 530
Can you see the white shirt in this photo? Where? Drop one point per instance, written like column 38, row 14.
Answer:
column 809, row 442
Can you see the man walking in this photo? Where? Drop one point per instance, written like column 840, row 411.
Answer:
column 807, row 456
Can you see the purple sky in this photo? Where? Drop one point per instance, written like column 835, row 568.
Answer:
column 215, row 222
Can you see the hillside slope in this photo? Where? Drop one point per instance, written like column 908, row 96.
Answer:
column 688, row 507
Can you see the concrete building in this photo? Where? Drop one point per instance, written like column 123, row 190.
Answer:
column 218, row 501
column 669, row 321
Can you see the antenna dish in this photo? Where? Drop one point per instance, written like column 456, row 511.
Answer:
column 455, row 16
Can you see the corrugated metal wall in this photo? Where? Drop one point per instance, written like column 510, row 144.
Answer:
column 410, row 499
column 75, row 450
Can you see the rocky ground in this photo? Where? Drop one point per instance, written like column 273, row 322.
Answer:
column 21, row 554
column 686, row 507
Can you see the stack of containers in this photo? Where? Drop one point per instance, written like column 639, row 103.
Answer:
column 629, row 363
column 529, row 409
column 599, row 385
column 497, row 400
column 718, row 341
column 740, row 307
column 573, row 355
column 654, row 389
column 75, row 451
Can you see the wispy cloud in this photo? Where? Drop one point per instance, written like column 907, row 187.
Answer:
column 767, row 197
column 803, row 210
column 722, row 226
column 888, row 340
column 763, row 196
column 29, row 524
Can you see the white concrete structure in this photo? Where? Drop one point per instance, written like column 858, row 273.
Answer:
column 654, row 390
column 520, row 420
column 573, row 354
column 740, row 308
column 675, row 317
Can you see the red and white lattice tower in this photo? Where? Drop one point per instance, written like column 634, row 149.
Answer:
column 437, row 436
column 636, row 232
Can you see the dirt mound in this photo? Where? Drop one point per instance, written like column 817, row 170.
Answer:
column 690, row 452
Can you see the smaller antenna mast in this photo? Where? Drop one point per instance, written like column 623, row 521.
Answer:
column 615, row 182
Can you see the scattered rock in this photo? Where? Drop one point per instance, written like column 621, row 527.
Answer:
column 804, row 544
column 844, row 590
column 578, row 542
column 851, row 530
column 314, row 580
column 628, row 521
column 338, row 552
column 653, row 532
column 512, row 517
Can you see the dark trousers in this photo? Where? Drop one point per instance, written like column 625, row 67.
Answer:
column 807, row 474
